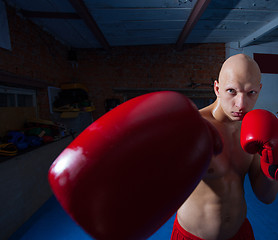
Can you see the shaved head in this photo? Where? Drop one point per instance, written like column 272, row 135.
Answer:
column 241, row 66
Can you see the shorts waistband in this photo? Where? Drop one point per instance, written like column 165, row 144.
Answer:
column 245, row 231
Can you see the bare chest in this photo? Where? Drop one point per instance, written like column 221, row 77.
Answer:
column 232, row 160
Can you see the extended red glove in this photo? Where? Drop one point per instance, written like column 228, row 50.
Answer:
column 259, row 134
column 126, row 174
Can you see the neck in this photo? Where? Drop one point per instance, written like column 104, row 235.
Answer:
column 218, row 113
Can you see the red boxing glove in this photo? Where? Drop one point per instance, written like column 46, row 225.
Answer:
column 126, row 174
column 259, row 134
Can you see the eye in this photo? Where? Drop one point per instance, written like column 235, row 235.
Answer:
column 231, row 91
column 252, row 92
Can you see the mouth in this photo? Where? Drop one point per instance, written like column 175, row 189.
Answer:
column 238, row 114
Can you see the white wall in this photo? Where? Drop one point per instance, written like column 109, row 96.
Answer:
column 268, row 98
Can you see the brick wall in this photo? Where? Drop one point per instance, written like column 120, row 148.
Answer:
column 37, row 55
column 150, row 67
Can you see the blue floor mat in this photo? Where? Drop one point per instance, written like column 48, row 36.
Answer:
column 263, row 217
column 51, row 222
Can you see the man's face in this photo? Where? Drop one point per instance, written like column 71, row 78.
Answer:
column 237, row 93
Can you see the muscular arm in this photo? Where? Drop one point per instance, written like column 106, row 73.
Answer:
column 264, row 188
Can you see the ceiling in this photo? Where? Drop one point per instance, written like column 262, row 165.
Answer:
column 108, row 23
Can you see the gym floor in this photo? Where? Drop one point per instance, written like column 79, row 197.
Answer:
column 51, row 222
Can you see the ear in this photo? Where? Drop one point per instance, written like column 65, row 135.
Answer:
column 216, row 88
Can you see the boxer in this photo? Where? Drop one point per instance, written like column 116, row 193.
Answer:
column 216, row 210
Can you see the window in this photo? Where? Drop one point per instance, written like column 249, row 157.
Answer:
column 17, row 97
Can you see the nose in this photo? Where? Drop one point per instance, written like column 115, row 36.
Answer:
column 241, row 102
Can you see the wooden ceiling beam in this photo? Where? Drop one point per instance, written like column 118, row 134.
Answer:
column 197, row 11
column 261, row 32
column 84, row 14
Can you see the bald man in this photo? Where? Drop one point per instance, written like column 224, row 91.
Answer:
column 216, row 210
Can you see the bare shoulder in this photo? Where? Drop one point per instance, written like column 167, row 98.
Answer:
column 207, row 113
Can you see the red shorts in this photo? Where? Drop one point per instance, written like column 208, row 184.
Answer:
column 245, row 232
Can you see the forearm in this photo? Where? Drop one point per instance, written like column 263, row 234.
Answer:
column 264, row 188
